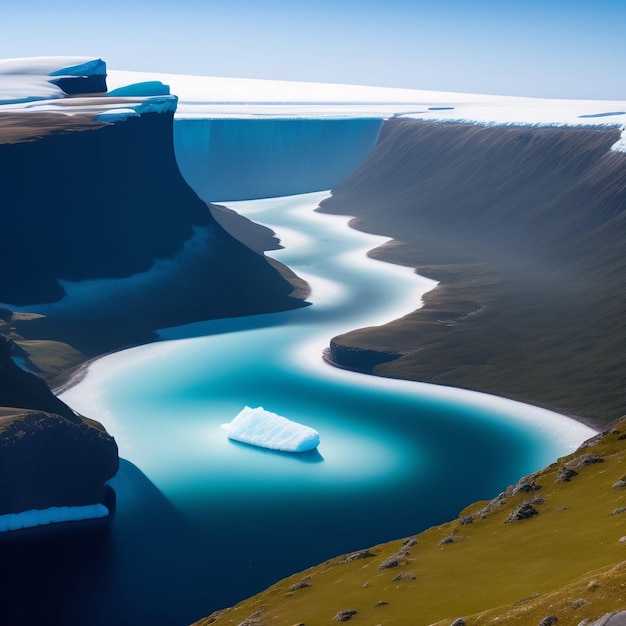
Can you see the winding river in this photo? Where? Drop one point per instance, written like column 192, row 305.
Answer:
column 203, row 522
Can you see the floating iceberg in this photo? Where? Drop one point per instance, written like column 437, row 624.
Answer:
column 52, row 515
column 259, row 427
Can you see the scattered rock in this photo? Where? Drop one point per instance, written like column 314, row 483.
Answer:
column 526, row 487
column 409, row 543
column 253, row 620
column 618, row 511
column 468, row 519
column 496, row 503
column 458, row 622
column 525, row 600
column 450, row 539
column 549, row 620
column 589, row 459
column 611, row 619
column 565, row 475
column 300, row 584
column 404, row 576
column 522, row 512
column 401, row 556
column 365, row 585
column 622, row 539
column 620, row 483
column 344, row 616
column 593, row 586
column 381, row 603
column 362, row 554
column 537, row 500
column 580, row 602
column 595, row 439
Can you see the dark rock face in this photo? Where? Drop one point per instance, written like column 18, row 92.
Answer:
column 91, row 204
column 47, row 460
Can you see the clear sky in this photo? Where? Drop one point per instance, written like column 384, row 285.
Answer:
column 551, row 48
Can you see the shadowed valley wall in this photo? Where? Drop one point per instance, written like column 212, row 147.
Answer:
column 109, row 204
column 524, row 228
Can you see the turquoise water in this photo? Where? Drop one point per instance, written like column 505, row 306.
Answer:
column 203, row 522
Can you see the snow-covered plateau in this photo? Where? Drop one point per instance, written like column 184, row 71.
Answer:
column 32, row 84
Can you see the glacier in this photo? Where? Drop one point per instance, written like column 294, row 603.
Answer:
column 250, row 158
column 265, row 429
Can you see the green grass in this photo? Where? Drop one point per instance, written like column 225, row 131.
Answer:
column 519, row 571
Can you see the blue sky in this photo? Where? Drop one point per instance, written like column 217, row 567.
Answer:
column 551, row 48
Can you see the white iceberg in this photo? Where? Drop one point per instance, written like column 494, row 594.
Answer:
column 259, row 427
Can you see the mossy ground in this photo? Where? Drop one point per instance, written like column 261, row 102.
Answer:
column 567, row 561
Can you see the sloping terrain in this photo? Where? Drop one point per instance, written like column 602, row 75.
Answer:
column 524, row 229
column 553, row 544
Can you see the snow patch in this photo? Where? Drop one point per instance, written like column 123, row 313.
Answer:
column 620, row 144
column 265, row 429
column 31, row 79
column 52, row 515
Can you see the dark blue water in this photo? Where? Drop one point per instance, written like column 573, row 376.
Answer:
column 203, row 522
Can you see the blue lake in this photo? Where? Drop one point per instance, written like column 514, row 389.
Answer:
column 203, row 522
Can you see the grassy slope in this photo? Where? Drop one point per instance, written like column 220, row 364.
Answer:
column 566, row 561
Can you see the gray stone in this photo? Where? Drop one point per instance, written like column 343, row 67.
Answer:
column 344, row 616
column 362, row 554
column 565, row 475
column 524, row 511
column 611, row 619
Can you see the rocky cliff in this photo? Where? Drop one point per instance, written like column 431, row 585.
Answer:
column 50, row 461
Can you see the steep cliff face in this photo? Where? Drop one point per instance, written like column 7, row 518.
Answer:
column 524, row 229
column 49, row 455
column 49, row 461
column 91, row 204
column 525, row 193
column 107, row 203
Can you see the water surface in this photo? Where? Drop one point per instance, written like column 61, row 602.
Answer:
column 203, row 522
